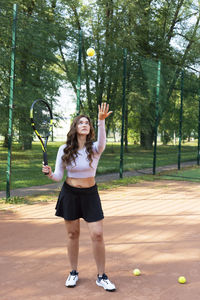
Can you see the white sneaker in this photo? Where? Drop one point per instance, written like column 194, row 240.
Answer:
column 104, row 282
column 72, row 279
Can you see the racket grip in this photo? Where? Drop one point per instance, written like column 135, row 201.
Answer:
column 45, row 161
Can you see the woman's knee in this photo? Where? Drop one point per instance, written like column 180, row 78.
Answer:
column 73, row 229
column 97, row 236
column 73, row 234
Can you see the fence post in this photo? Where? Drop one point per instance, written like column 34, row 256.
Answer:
column 198, row 149
column 180, row 121
column 156, row 123
column 123, row 113
column 78, row 86
column 12, row 80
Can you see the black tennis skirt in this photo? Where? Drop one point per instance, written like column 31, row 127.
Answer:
column 74, row 203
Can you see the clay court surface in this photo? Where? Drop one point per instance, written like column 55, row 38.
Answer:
column 153, row 226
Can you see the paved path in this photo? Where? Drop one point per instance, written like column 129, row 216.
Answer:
column 99, row 178
column 154, row 226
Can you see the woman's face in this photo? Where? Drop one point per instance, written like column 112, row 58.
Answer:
column 83, row 126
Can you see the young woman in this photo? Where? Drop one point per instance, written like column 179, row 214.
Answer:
column 79, row 196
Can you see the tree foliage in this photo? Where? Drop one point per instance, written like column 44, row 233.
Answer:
column 35, row 76
column 47, row 48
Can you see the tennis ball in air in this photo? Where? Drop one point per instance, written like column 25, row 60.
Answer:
column 136, row 272
column 182, row 279
column 90, row 52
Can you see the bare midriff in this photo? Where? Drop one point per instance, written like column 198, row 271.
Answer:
column 81, row 182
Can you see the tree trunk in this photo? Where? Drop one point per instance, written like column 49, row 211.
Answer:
column 26, row 143
column 146, row 140
column 5, row 142
column 25, row 134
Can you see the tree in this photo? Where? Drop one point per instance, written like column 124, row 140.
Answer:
column 150, row 30
column 5, row 46
column 35, row 75
column 155, row 32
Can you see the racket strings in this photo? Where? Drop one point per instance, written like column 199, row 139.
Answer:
column 42, row 118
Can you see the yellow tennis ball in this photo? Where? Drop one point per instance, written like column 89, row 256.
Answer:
column 136, row 272
column 182, row 279
column 90, row 52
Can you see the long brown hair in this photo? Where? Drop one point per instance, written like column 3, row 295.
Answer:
column 71, row 149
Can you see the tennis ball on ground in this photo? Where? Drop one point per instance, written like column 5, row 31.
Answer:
column 90, row 52
column 182, row 279
column 136, row 272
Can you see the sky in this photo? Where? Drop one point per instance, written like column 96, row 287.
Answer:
column 66, row 102
column 66, row 106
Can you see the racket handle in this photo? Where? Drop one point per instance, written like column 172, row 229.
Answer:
column 45, row 161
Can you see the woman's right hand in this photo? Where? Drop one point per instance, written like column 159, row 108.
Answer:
column 104, row 111
column 47, row 169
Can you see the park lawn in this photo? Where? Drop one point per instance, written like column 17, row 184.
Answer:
column 26, row 165
column 186, row 174
column 48, row 197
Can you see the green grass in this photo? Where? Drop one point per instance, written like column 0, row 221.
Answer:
column 125, row 181
column 47, row 197
column 26, row 165
column 14, row 200
column 137, row 158
column 186, row 174
column 28, row 200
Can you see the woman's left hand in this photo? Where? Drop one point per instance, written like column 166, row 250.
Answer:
column 104, row 111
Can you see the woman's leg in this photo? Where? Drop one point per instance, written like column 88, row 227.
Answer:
column 96, row 233
column 73, row 231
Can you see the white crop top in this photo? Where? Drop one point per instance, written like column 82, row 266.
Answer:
column 82, row 168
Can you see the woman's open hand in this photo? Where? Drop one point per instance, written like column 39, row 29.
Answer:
column 104, row 111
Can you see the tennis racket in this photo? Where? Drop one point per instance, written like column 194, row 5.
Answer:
column 42, row 122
